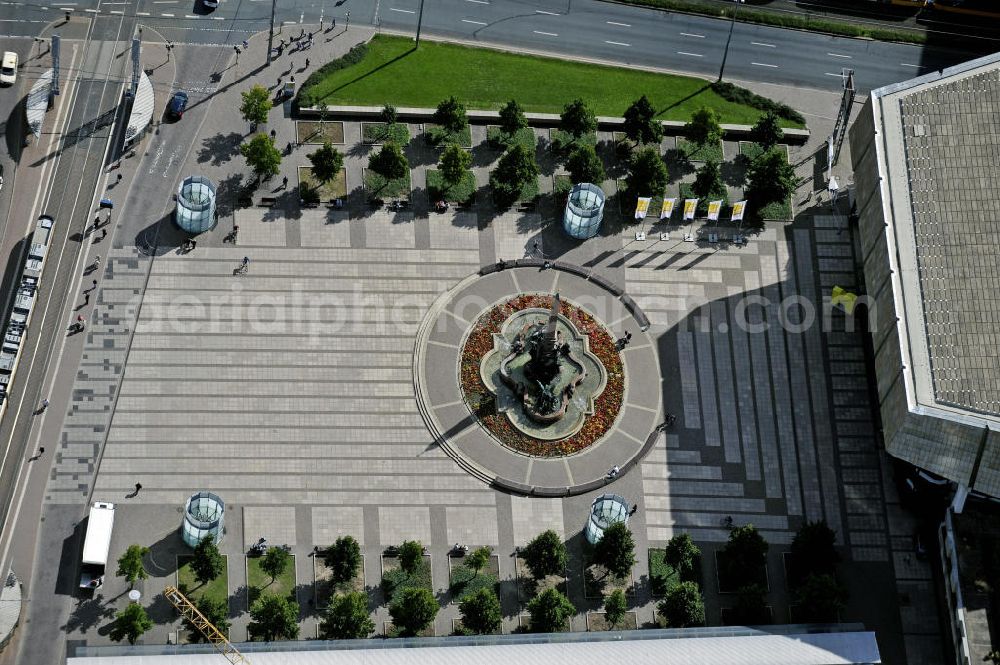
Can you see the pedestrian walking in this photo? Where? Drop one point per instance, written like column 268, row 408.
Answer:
column 41, row 451
column 307, row 63
column 94, row 287
column 120, row 176
column 284, row 182
column 245, row 44
column 334, row 23
column 86, row 298
column 138, row 486
column 246, row 261
column 635, row 507
column 97, row 262
column 274, row 133
column 104, row 234
column 45, row 405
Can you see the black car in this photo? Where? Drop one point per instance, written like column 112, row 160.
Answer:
column 178, row 103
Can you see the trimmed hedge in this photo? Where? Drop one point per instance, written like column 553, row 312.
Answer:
column 352, row 57
column 738, row 95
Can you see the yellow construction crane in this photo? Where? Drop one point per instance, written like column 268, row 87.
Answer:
column 204, row 626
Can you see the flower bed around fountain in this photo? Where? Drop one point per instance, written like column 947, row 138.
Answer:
column 480, row 342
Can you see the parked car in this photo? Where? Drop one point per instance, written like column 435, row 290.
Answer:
column 178, row 104
column 8, row 68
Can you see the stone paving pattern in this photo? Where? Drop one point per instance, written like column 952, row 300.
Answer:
column 293, row 399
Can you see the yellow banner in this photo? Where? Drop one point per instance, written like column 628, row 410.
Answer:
column 642, row 207
column 843, row 298
column 738, row 208
column 668, row 208
column 713, row 210
column 690, row 205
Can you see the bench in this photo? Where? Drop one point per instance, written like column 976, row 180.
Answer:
column 267, row 201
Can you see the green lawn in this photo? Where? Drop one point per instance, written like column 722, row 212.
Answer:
column 439, row 136
column 258, row 581
column 701, row 153
column 217, row 589
column 486, row 79
column 497, row 138
column 395, row 578
column 377, row 187
column 461, row 192
column 330, row 190
column 380, row 132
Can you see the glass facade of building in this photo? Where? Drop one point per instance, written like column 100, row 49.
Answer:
column 605, row 511
column 203, row 516
column 195, row 204
column 584, row 211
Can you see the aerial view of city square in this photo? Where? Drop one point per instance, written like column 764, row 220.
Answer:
column 343, row 332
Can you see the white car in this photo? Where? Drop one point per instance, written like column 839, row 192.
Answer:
column 8, row 68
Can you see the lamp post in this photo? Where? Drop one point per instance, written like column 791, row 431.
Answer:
column 420, row 19
column 732, row 24
column 270, row 34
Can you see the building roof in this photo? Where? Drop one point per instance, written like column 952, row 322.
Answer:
column 941, row 139
column 734, row 646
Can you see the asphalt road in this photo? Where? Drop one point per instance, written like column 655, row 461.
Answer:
column 584, row 28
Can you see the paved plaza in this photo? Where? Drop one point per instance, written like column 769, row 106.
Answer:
column 290, row 392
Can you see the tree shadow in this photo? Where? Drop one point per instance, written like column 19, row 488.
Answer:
column 87, row 614
column 484, row 155
column 162, row 557
column 160, row 237
column 220, row 148
column 286, row 206
column 228, row 194
column 161, row 610
column 678, row 164
column 677, row 103
column 734, row 172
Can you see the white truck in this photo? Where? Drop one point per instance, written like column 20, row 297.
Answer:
column 96, row 544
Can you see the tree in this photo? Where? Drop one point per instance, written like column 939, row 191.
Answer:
column 514, row 170
column 413, row 609
column 389, row 162
column 261, row 155
column 616, row 550
column 454, row 163
column 343, row 558
column 545, row 555
column 751, row 606
column 819, row 599
column 481, row 612
column 207, row 563
column 130, row 623
column 256, row 105
column 411, row 553
column 647, row 174
column 326, row 162
column 745, row 553
column 770, row 178
column 681, row 553
column 216, row 611
column 814, row 548
column 130, row 564
column 767, row 131
column 512, row 118
column 704, row 127
column 615, row 607
column 275, row 561
column 274, row 617
column 450, row 114
column 389, row 115
column 683, row 606
column 708, row 181
column 347, row 617
column 577, row 119
column 549, row 611
column 640, row 123
column 478, row 558
column 584, row 165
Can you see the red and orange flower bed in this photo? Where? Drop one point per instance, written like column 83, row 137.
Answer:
column 606, row 406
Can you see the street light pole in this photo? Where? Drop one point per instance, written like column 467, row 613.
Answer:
column 270, row 34
column 732, row 24
column 420, row 19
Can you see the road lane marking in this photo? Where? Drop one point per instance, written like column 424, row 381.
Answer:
column 617, row 43
column 402, row 11
column 218, row 18
column 838, row 55
column 190, row 16
column 465, row 20
column 763, row 64
column 906, row 64
column 691, row 34
column 547, row 34
column 840, row 76
column 142, row 13
column 92, row 11
column 167, row 15
column 623, row 25
column 542, row 11
column 117, row 11
column 479, row 2
column 763, row 44
column 694, row 55
column 165, row 2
